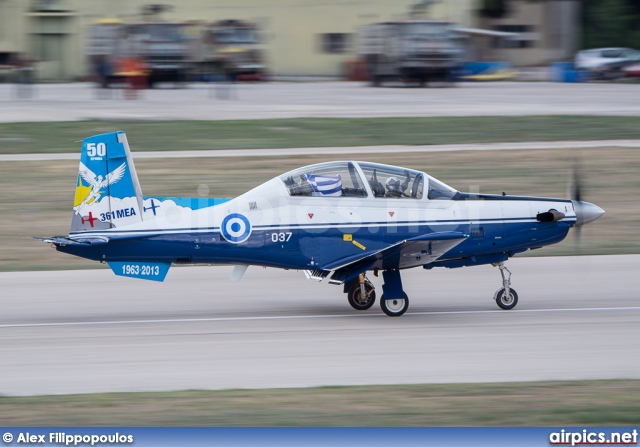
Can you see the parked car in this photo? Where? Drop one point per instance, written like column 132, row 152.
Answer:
column 632, row 70
column 605, row 63
column 621, row 69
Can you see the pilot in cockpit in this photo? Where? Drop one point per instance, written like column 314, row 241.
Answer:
column 294, row 188
column 395, row 188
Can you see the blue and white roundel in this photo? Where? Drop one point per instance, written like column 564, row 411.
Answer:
column 235, row 228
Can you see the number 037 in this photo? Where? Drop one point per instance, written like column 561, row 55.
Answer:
column 281, row 237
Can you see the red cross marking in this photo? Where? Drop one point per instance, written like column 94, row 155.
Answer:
column 89, row 219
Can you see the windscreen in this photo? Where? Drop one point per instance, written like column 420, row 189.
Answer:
column 235, row 35
column 392, row 181
column 425, row 31
column 440, row 191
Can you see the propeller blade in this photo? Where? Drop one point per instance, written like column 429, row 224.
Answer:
column 585, row 212
column 577, row 236
column 576, row 195
column 576, row 187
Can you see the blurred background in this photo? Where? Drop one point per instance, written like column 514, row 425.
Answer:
column 189, row 40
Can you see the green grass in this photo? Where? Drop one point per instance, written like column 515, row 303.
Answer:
column 315, row 132
column 584, row 403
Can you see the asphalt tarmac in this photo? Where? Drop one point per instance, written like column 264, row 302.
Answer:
column 90, row 331
column 76, row 101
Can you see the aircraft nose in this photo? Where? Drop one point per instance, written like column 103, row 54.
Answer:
column 586, row 212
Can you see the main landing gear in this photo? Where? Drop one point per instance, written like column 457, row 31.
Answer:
column 361, row 294
column 506, row 297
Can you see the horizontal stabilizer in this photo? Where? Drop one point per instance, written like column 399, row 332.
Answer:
column 84, row 241
column 152, row 271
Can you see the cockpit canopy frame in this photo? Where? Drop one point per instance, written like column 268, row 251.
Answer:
column 363, row 180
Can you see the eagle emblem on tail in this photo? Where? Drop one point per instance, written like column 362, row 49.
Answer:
column 96, row 184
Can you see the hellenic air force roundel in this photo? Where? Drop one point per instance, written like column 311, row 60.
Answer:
column 235, row 228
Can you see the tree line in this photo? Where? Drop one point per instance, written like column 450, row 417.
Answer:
column 603, row 23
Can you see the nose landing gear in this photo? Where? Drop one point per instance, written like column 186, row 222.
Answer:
column 506, row 297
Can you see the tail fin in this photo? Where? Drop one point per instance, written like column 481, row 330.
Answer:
column 108, row 193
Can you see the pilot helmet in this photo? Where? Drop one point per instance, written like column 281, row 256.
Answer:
column 393, row 184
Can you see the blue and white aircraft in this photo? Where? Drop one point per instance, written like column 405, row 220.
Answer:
column 337, row 220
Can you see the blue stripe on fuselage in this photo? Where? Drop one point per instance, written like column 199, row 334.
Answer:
column 124, row 233
column 320, row 245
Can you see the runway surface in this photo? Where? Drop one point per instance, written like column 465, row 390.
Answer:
column 77, row 101
column 90, row 331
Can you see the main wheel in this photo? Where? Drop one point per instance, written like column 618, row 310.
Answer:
column 357, row 301
column 506, row 302
column 394, row 307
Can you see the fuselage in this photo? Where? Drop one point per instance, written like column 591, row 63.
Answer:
column 299, row 232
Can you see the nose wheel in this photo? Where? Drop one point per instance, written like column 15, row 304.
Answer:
column 505, row 301
column 506, row 297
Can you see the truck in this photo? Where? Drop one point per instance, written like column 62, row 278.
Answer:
column 165, row 47
column 411, row 51
column 179, row 51
column 234, row 44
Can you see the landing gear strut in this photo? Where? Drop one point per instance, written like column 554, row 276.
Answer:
column 362, row 293
column 396, row 301
column 506, row 297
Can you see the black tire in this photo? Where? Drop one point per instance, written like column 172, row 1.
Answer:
column 354, row 296
column 394, row 307
column 506, row 303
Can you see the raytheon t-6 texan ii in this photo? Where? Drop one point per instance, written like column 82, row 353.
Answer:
column 336, row 221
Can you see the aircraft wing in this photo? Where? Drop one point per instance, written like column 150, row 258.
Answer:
column 414, row 252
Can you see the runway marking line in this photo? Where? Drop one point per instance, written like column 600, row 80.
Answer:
column 293, row 317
